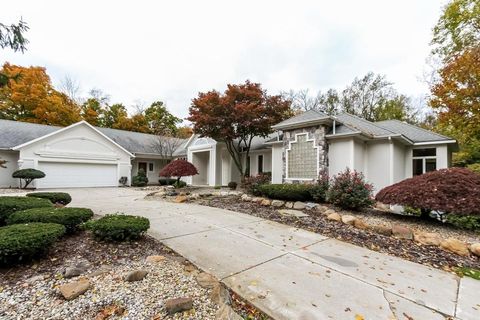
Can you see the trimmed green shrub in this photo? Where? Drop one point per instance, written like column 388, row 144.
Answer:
column 464, row 222
column 217, row 187
column 251, row 184
column 54, row 197
column 28, row 175
column 140, row 180
column 116, row 227
column 180, row 184
column 287, row 192
column 9, row 205
column 320, row 189
column 166, row 181
column 349, row 190
column 232, row 185
column 21, row 242
column 71, row 218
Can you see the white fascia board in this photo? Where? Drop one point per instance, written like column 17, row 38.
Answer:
column 426, row 143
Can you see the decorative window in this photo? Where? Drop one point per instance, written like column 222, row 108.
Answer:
column 150, row 166
column 302, row 158
column 424, row 160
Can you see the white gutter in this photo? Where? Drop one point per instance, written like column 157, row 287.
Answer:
column 434, row 142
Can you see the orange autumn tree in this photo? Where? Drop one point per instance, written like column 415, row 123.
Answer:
column 29, row 96
column 238, row 115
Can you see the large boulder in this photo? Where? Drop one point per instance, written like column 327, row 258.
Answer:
column 428, row 238
column 360, row 224
column 206, row 280
column 135, row 275
column 348, row 219
column 402, row 232
column 381, row 229
column 73, row 289
column 178, row 305
column 266, row 202
column 334, row 216
column 278, row 203
column 181, row 199
column 299, row 205
column 475, row 249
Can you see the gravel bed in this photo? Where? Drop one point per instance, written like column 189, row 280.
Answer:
column 409, row 250
column 31, row 291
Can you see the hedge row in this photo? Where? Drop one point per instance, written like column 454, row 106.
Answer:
column 54, row 197
column 9, row 205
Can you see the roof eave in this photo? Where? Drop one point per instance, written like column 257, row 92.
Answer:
column 302, row 124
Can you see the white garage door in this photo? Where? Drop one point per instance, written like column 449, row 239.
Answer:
column 76, row 175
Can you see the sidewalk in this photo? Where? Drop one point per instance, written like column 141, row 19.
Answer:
column 291, row 273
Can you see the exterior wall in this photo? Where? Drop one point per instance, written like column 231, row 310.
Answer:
column 79, row 144
column 152, row 176
column 444, row 157
column 6, row 180
column 359, row 158
column 398, row 163
column 267, row 161
column 318, row 134
column 378, row 167
column 277, row 163
column 340, row 155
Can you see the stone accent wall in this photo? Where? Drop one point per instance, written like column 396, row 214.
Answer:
column 318, row 133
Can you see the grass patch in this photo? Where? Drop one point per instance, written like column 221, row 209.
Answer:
column 468, row 272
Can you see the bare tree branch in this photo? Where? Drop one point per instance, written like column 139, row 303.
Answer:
column 165, row 146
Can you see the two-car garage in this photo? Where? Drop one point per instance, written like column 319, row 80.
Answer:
column 76, row 175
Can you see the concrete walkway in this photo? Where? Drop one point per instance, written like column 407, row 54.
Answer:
column 290, row 273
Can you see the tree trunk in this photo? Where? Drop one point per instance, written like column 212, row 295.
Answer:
column 425, row 214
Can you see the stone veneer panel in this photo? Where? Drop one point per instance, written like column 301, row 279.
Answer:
column 318, row 133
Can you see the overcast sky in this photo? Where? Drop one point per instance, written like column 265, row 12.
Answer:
column 169, row 51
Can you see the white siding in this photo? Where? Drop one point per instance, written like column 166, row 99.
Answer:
column 277, row 163
column 340, row 155
column 399, row 152
column 378, row 165
column 6, row 180
column 267, row 161
column 359, row 156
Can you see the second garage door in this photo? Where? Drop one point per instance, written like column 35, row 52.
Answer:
column 76, row 175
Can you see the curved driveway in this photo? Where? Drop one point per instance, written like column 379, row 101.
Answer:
column 291, row 273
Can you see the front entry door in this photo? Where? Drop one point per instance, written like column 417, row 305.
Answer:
column 142, row 165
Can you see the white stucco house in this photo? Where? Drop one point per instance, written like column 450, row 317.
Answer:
column 299, row 149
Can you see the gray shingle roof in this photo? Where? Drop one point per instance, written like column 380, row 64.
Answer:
column 365, row 126
column 414, row 133
column 14, row 133
column 307, row 116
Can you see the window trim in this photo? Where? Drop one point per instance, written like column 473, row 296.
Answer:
column 287, row 177
column 424, row 162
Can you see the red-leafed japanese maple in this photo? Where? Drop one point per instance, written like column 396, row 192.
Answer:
column 238, row 115
column 454, row 190
column 178, row 168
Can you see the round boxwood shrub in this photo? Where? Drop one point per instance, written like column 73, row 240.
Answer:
column 116, row 227
column 28, row 175
column 71, row 218
column 140, row 180
column 9, row 205
column 21, row 242
column 54, row 197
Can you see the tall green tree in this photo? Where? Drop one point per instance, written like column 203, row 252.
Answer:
column 12, row 36
column 160, row 120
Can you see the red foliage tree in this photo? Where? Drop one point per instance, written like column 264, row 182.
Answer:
column 178, row 168
column 238, row 115
column 454, row 190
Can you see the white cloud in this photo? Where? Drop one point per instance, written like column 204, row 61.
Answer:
column 158, row 50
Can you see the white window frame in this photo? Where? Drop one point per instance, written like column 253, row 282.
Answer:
column 424, row 162
column 290, row 148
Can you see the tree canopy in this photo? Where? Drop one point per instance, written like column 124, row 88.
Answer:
column 178, row 168
column 454, row 190
column 242, row 112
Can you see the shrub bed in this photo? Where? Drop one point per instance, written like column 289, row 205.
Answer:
column 349, row 190
column 54, row 197
column 287, row 192
column 9, row 205
column 166, row 181
column 21, row 242
column 464, row 222
column 71, row 218
column 116, row 227
column 251, row 184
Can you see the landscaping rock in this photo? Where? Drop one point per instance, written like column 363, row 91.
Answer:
column 181, row 199
column 381, row 229
column 322, row 209
column 329, row 212
column 289, row 205
column 299, row 205
column 265, row 202
column 220, row 295
column 73, row 289
column 402, row 232
column 155, row 259
column 428, row 238
column 310, row 205
column 76, row 269
column 102, row 270
column 455, row 246
column 278, row 203
column 206, row 280
column 348, row 219
column 135, row 275
column 334, row 216
column 257, row 200
column 178, row 305
column 360, row 224
column 475, row 249
column 226, row 313
column 246, row 197
column 293, row 213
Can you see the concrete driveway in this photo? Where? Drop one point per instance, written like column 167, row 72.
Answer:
column 291, row 273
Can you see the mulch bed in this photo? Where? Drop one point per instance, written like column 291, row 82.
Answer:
column 79, row 246
column 316, row 222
